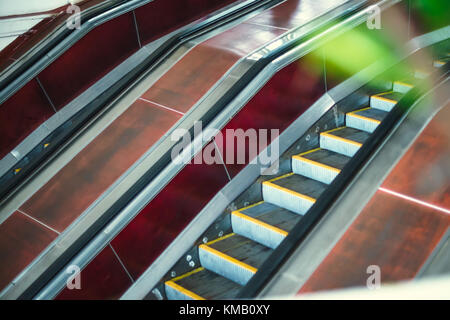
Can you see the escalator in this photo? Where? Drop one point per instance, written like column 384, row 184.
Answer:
column 226, row 264
column 240, row 242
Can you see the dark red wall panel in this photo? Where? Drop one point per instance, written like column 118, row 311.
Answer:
column 22, row 114
column 160, row 17
column 157, row 225
column 104, row 278
column 89, row 59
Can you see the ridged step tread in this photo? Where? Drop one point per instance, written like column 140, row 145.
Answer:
column 234, row 257
column 343, row 140
column 366, row 119
column 264, row 223
column 293, row 192
column 201, row 284
column 385, row 101
column 319, row 164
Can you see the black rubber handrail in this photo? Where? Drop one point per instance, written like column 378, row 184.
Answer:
column 301, row 230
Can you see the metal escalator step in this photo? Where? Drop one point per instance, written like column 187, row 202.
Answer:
column 343, row 140
column 201, row 284
column 319, row 164
column 292, row 192
column 366, row 119
column 264, row 223
column 438, row 63
column 421, row 74
column 441, row 61
column 234, row 257
column 401, row 86
column 385, row 101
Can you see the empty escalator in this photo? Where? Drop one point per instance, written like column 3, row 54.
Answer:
column 228, row 262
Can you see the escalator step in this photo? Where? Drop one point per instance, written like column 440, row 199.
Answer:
column 401, row 86
column 421, row 74
column 319, row 164
column 438, row 63
column 201, row 284
column 385, row 101
column 234, row 257
column 264, row 223
column 366, row 119
column 343, row 140
column 292, row 192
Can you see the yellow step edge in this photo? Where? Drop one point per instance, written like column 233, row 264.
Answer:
column 403, row 83
column 280, row 177
column 316, row 163
column 308, row 152
column 260, row 223
column 220, row 239
column 332, row 130
column 294, row 193
column 341, row 139
column 380, row 97
column 250, row 206
column 228, row 258
column 353, row 114
column 187, row 292
column 185, row 275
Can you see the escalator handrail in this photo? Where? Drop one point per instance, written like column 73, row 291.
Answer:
column 301, row 230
